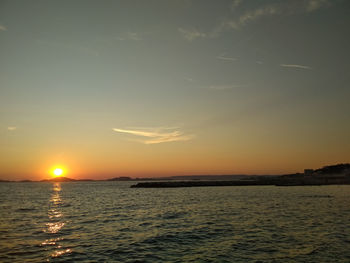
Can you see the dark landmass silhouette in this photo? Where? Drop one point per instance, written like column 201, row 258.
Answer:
column 172, row 184
column 168, row 178
column 59, row 179
column 183, row 177
column 121, row 178
column 328, row 175
column 332, row 174
column 64, row 179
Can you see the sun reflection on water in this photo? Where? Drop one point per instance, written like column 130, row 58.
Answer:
column 54, row 227
column 54, row 214
column 55, row 224
column 61, row 252
column 50, row 242
column 57, row 187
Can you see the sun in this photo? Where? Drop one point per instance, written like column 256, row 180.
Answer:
column 57, row 171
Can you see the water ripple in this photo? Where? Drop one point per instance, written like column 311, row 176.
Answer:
column 109, row 222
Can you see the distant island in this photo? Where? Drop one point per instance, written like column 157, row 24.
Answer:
column 327, row 175
column 64, row 179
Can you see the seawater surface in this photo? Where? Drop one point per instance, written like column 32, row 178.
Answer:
column 110, row 222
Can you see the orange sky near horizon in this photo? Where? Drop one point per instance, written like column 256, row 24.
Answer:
column 161, row 88
column 190, row 158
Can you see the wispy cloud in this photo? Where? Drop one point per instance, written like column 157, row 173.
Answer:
column 157, row 135
column 313, row 5
column 190, row 80
column 224, row 57
column 192, row 33
column 11, row 128
column 131, row 36
column 235, row 4
column 295, row 66
column 282, row 8
column 3, row 28
column 253, row 15
column 287, row 7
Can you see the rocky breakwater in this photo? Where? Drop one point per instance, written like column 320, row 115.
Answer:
column 172, row 184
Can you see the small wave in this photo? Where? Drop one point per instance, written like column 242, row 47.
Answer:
column 26, row 209
column 173, row 215
column 145, row 224
column 317, row 196
column 303, row 251
column 23, row 253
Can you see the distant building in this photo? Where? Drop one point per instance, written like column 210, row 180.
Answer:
column 308, row 171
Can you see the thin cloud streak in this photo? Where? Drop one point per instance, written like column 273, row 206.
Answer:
column 157, row 135
column 192, row 34
column 313, row 5
column 235, row 4
column 284, row 8
column 222, row 57
column 295, row 66
column 249, row 16
column 11, row 128
column 131, row 36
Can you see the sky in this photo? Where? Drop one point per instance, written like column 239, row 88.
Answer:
column 178, row 87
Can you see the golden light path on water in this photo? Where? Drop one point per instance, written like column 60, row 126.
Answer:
column 55, row 224
column 109, row 222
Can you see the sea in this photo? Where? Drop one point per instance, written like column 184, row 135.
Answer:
column 111, row 222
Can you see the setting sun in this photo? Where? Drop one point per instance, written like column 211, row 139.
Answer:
column 57, row 172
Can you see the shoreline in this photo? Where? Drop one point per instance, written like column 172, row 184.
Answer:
column 232, row 183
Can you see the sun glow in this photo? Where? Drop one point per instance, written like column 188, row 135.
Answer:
column 57, row 171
